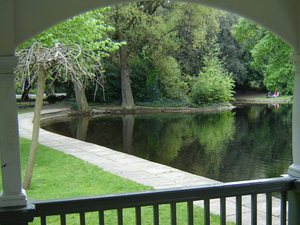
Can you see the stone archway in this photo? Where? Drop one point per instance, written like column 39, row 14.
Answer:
column 22, row 19
column 33, row 16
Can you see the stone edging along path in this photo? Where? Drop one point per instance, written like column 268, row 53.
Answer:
column 136, row 169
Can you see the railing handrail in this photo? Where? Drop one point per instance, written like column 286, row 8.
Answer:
column 156, row 197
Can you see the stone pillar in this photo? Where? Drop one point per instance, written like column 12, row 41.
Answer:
column 12, row 194
column 294, row 169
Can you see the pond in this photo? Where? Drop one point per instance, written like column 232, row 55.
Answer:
column 250, row 142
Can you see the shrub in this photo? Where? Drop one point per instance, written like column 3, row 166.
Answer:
column 171, row 84
column 213, row 85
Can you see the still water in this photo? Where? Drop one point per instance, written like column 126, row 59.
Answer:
column 250, row 142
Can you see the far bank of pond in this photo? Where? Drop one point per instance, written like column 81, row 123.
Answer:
column 249, row 142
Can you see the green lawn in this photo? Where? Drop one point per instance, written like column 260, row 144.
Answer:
column 58, row 176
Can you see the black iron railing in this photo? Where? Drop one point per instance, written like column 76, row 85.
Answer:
column 190, row 197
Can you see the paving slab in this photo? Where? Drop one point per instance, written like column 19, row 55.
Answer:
column 143, row 171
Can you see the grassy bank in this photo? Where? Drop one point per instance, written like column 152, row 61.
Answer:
column 59, row 176
column 262, row 99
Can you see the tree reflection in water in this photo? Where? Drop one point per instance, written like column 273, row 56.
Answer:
column 248, row 143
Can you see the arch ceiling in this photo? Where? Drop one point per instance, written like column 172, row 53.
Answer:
column 30, row 17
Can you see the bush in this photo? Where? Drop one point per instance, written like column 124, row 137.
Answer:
column 214, row 84
column 171, row 84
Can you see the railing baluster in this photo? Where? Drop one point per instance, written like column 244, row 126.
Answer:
column 283, row 208
column 155, row 214
column 137, row 201
column 43, row 220
column 223, row 211
column 190, row 208
column 269, row 208
column 206, row 212
column 254, row 209
column 82, row 218
column 173, row 214
column 101, row 217
column 138, row 215
column 63, row 219
column 238, row 203
column 120, row 216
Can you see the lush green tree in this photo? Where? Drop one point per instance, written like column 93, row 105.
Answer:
column 166, row 46
column 129, row 21
column 87, row 30
column 248, row 34
column 148, row 38
column 172, row 86
column 196, row 30
column 271, row 56
column 236, row 60
column 214, row 83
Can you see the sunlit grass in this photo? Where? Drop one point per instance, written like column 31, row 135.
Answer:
column 59, row 176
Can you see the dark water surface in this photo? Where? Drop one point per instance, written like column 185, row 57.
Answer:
column 251, row 142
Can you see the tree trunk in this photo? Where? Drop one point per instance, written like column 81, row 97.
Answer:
column 128, row 127
column 41, row 83
column 82, row 128
column 127, row 96
column 80, row 97
column 25, row 92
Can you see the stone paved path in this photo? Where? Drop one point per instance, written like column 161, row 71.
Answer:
column 139, row 170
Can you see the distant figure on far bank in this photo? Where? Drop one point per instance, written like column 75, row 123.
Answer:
column 269, row 94
column 276, row 94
